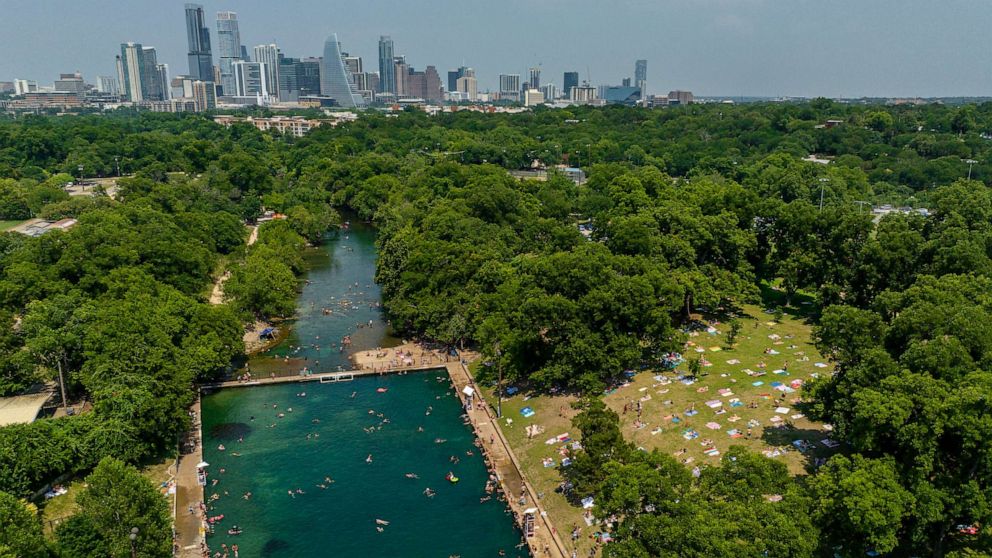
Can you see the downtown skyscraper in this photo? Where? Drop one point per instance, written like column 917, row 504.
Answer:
column 268, row 57
column 335, row 80
column 228, row 49
column 200, row 58
column 641, row 77
column 141, row 77
column 387, row 71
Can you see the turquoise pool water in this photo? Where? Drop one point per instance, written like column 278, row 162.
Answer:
column 276, row 456
column 340, row 520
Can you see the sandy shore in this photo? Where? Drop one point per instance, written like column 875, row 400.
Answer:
column 406, row 354
column 253, row 340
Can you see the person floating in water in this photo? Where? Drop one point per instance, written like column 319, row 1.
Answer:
column 369, row 459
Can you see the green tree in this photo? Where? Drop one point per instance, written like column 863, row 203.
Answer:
column 733, row 331
column 20, row 530
column 117, row 499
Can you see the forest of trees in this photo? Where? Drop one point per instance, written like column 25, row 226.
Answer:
column 687, row 208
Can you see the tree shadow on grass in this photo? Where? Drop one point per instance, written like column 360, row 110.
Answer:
column 813, row 451
column 802, row 306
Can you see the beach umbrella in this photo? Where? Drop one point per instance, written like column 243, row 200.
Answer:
column 202, row 464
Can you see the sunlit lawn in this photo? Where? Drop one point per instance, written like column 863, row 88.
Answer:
column 663, row 401
column 7, row 225
column 60, row 508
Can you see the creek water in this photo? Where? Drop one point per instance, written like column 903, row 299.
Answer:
column 407, row 424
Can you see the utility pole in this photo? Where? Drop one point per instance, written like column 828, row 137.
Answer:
column 822, row 182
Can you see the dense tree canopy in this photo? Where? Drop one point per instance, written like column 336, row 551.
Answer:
column 564, row 284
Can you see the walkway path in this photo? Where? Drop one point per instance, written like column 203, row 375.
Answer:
column 519, row 492
column 217, row 294
column 189, row 494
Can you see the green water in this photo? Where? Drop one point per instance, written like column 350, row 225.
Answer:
column 340, row 281
column 339, row 520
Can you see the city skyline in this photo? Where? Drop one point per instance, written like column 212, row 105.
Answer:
column 714, row 47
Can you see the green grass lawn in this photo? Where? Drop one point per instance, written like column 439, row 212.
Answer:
column 7, row 225
column 60, row 508
column 663, row 398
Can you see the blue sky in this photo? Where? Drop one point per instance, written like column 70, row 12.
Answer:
column 711, row 47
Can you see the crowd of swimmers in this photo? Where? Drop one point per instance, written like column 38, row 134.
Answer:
column 492, row 489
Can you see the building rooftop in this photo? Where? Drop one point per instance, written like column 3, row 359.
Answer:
column 22, row 409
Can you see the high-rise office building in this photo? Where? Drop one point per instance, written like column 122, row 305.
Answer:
column 468, row 86
column 140, row 74
column 162, row 81
column 535, row 78
column 353, row 63
column 204, row 95
column 298, row 78
column 249, row 79
column 550, row 91
column 424, row 85
column 129, row 64
column 108, row 84
column 641, row 77
column 228, row 49
column 334, row 78
column 201, row 64
column 400, row 71
column 453, row 76
column 387, row 73
column 22, row 86
column 571, row 80
column 533, row 97
column 268, row 57
column 70, row 83
column 509, row 87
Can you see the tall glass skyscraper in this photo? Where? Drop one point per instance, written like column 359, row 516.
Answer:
column 201, row 64
column 335, row 81
column 641, row 77
column 140, row 74
column 387, row 73
column 228, row 49
column 571, row 80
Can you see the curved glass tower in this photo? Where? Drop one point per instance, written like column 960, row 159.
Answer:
column 334, row 78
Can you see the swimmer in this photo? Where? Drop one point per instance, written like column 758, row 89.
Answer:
column 369, row 459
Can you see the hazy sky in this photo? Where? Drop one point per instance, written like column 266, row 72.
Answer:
column 711, row 47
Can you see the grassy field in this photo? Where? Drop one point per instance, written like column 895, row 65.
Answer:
column 60, row 508
column 675, row 417
column 7, row 225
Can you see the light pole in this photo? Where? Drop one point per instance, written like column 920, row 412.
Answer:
column 134, row 539
column 861, row 206
column 823, row 181
column 117, row 162
column 970, row 163
column 80, row 169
